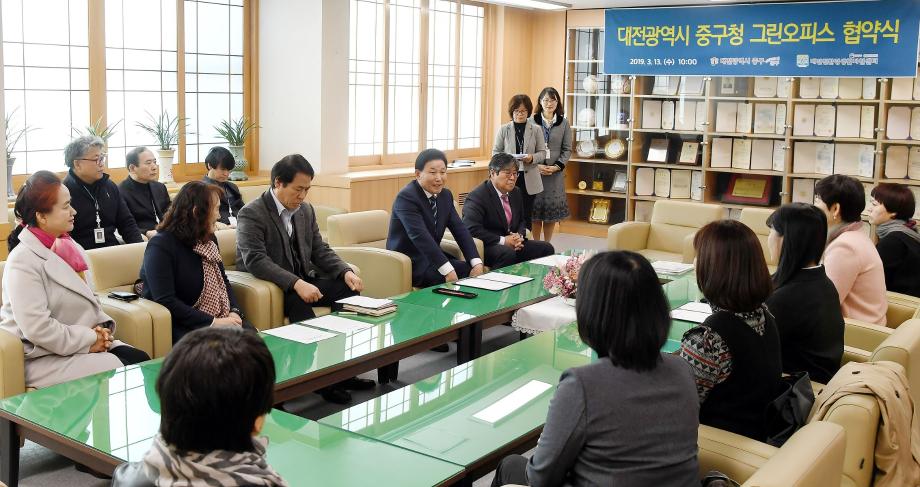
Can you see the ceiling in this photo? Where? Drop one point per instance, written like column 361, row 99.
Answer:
column 654, row 3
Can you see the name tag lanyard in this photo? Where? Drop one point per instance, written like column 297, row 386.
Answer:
column 98, row 232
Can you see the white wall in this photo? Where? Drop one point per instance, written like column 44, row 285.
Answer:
column 303, row 82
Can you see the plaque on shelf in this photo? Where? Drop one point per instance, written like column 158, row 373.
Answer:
column 809, row 87
column 726, row 116
column 830, row 88
column 651, row 114
column 741, row 154
column 689, row 153
column 744, row 118
column 780, row 128
column 804, row 157
column 850, row 88
column 691, row 85
column 915, row 123
column 589, row 84
column 824, row 159
column 783, row 85
column 645, row 181
column 680, row 184
column 619, row 85
column 765, row 87
column 804, row 124
column 867, row 160
column 779, row 156
column 870, row 88
column 750, row 189
column 846, row 159
column 658, row 151
column 765, row 118
column 600, row 211
column 696, row 185
column 762, row 154
column 913, row 163
column 667, row 115
column 586, row 117
column 896, row 160
column 721, row 152
column 582, row 185
column 662, row 183
column 597, row 185
column 685, row 115
column 898, row 123
column 666, row 85
column 730, row 86
column 848, row 117
column 825, row 117
column 702, row 112
column 615, row 148
column 867, row 122
column 619, row 182
column 803, row 191
column 902, row 89
column 586, row 148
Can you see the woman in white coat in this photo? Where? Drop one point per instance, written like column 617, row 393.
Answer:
column 47, row 299
column 524, row 140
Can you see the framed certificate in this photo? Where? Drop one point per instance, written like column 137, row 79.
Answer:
column 658, row 151
column 689, row 153
column 619, row 182
column 600, row 211
column 748, row 189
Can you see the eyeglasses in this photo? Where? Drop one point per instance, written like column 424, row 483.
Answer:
column 523, row 111
column 508, row 173
column 98, row 161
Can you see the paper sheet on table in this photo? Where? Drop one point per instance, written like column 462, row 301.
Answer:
column 550, row 260
column 339, row 324
column 299, row 333
column 366, row 302
column 691, row 316
column 506, row 278
column 667, row 267
column 484, row 284
column 697, row 307
column 512, row 402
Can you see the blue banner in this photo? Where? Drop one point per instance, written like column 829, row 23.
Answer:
column 851, row 38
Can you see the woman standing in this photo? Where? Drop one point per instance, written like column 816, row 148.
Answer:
column 521, row 139
column 898, row 241
column 182, row 267
column 550, row 206
column 850, row 258
column 47, row 299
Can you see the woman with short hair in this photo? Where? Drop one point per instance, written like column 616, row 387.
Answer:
column 851, row 261
column 735, row 353
column 522, row 139
column 209, row 428
column 805, row 303
column 631, row 417
column 898, row 244
column 48, row 301
column 182, row 267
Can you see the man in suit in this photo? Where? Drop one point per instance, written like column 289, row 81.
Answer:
column 278, row 240
column 494, row 213
column 422, row 211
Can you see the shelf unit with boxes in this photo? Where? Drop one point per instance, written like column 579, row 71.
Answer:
column 725, row 139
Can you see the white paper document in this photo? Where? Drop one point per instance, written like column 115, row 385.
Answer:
column 692, row 316
column 506, row 278
column 696, row 307
column 550, row 260
column 512, row 402
column 668, row 267
column 338, row 323
column 366, row 302
column 299, row 333
column 486, row 284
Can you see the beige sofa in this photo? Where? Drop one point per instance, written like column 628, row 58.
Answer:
column 669, row 235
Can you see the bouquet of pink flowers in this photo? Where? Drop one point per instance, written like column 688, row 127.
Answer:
column 562, row 280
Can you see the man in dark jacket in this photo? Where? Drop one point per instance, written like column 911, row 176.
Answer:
column 494, row 213
column 101, row 211
column 147, row 198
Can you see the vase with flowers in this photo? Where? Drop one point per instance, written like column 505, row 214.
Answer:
column 562, row 280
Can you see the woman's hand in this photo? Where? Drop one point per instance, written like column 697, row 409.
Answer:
column 232, row 320
column 103, row 340
column 528, row 158
column 547, row 170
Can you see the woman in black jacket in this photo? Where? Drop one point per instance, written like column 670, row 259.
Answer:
column 182, row 267
column 898, row 241
column 805, row 303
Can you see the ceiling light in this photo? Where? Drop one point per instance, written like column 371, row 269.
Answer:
column 537, row 4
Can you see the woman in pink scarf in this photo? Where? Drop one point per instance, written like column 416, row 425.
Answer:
column 47, row 299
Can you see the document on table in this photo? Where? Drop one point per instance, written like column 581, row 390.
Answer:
column 486, row 284
column 506, row 278
column 435, row 439
column 366, row 302
column 339, row 324
column 512, row 402
column 299, row 333
column 693, row 312
column 667, row 267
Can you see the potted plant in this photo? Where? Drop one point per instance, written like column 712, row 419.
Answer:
column 13, row 137
column 96, row 129
column 235, row 133
column 166, row 132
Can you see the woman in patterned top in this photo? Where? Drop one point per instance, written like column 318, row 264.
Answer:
column 182, row 267
column 735, row 353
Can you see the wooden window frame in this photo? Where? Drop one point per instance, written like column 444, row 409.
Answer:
column 375, row 161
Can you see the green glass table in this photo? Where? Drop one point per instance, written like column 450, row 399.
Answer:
column 110, row 418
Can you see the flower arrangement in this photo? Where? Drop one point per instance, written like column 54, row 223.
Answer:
column 562, row 280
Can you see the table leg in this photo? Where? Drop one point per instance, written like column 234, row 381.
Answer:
column 9, row 453
column 469, row 346
column 388, row 373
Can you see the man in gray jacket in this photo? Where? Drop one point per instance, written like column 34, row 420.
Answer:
column 278, row 240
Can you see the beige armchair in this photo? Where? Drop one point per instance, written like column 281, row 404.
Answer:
column 756, row 220
column 361, row 238
column 669, row 235
column 322, row 216
column 262, row 302
column 116, row 269
column 251, row 192
column 865, row 342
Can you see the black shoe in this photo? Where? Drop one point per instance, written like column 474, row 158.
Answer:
column 356, row 384
column 335, row 394
column 83, row 468
column 441, row 348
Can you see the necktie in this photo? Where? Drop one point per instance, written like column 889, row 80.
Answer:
column 433, row 201
column 506, row 204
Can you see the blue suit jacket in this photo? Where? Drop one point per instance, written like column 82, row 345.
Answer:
column 414, row 232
